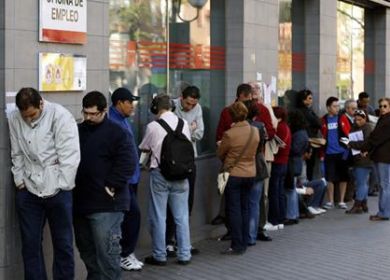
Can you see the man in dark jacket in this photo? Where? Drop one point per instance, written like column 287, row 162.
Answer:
column 101, row 194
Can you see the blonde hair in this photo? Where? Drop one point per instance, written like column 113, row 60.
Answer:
column 238, row 111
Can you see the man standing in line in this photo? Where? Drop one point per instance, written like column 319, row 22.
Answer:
column 102, row 193
column 45, row 154
column 187, row 108
column 350, row 106
column 363, row 103
column 335, row 126
column 165, row 192
column 121, row 109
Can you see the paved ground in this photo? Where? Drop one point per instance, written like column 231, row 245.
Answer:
column 332, row 246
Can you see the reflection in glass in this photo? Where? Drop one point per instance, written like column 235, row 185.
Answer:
column 350, row 50
column 153, row 51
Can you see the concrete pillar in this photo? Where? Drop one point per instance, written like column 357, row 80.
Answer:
column 314, row 48
column 252, row 29
column 377, row 53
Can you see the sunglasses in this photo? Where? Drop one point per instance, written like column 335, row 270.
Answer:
column 382, row 106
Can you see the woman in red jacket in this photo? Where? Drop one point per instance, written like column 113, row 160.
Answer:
column 276, row 196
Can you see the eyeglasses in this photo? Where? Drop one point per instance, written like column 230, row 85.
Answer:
column 91, row 114
column 382, row 106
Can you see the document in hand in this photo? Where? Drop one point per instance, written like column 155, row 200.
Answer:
column 356, row 136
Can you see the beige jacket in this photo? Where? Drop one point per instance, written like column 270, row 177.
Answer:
column 232, row 144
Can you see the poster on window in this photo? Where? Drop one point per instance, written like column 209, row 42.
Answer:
column 63, row 21
column 62, row 72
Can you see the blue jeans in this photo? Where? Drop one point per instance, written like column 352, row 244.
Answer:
column 361, row 181
column 174, row 193
column 131, row 224
column 276, row 196
column 98, row 238
column 319, row 188
column 254, row 209
column 237, row 197
column 292, row 204
column 384, row 192
column 33, row 212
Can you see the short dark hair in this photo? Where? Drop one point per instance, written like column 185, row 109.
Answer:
column 95, row 98
column 191, row 91
column 363, row 95
column 253, row 110
column 238, row 111
column 330, row 100
column 245, row 89
column 28, row 97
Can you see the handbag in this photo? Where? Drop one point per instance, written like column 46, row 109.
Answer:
column 223, row 175
column 261, row 167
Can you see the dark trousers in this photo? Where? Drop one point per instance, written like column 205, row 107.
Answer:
column 310, row 164
column 131, row 224
column 237, row 197
column 171, row 227
column 33, row 212
column 277, row 199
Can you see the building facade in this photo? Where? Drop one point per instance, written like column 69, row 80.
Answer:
column 217, row 47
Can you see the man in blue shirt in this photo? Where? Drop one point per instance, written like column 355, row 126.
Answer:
column 121, row 109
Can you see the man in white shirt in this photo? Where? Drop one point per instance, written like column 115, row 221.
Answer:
column 188, row 108
column 45, row 155
column 162, row 190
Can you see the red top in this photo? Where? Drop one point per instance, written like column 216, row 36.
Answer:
column 225, row 121
column 284, row 133
column 265, row 117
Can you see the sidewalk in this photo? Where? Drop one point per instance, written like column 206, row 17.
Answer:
column 332, row 246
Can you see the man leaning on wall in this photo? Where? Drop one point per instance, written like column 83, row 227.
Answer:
column 45, row 154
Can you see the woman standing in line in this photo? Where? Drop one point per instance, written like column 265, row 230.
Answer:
column 377, row 147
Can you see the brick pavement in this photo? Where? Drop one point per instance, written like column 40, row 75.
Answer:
column 332, row 246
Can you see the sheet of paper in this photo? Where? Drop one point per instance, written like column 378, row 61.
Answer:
column 356, row 136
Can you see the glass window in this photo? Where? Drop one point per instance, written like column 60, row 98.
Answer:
column 350, row 50
column 160, row 46
column 285, row 47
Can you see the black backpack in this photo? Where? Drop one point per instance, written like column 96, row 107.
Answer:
column 177, row 160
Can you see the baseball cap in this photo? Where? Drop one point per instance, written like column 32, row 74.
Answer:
column 123, row 94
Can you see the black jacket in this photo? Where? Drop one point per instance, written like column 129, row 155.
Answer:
column 313, row 121
column 106, row 160
column 378, row 143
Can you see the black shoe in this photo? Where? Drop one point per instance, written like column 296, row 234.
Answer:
column 218, row 220
column 230, row 251
column 171, row 253
column 225, row 237
column 183, row 262
column 262, row 236
column 151, row 260
column 373, row 193
column 194, row 251
column 289, row 222
column 251, row 244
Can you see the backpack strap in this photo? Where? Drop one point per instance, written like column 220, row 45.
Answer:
column 164, row 124
column 168, row 129
column 179, row 127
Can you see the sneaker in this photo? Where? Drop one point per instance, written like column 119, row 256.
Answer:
column 328, row 205
column 134, row 259
column 270, row 227
column 280, row 226
column 342, row 205
column 321, row 210
column 129, row 264
column 313, row 210
column 171, row 253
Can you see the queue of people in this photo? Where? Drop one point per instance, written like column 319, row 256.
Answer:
column 85, row 176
